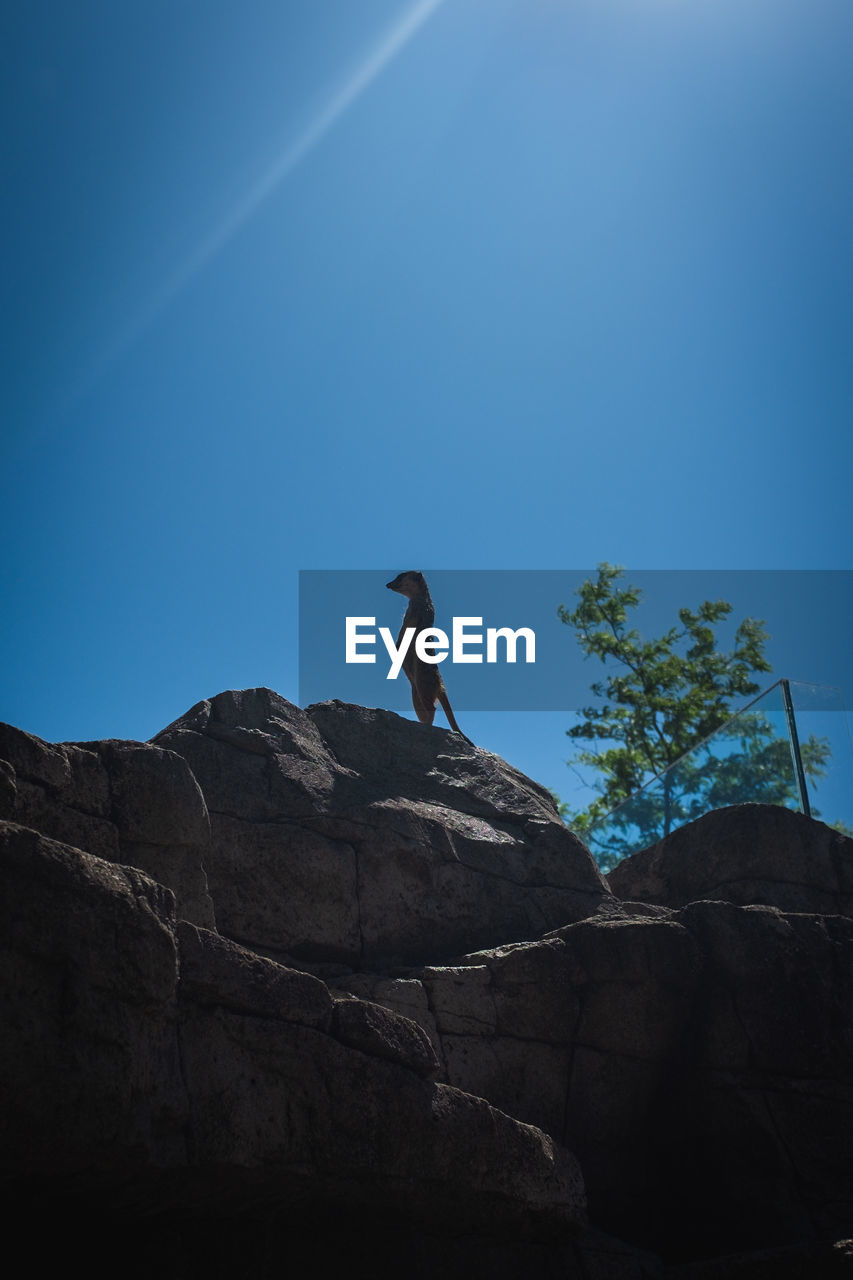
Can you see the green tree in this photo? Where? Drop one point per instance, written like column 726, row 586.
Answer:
column 659, row 699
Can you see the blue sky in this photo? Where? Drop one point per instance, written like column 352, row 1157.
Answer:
column 350, row 283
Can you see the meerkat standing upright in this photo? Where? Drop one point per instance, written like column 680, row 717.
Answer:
column 425, row 678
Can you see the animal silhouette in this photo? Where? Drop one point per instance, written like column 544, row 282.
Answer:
column 424, row 677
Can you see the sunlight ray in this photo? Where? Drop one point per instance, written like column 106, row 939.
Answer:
column 393, row 41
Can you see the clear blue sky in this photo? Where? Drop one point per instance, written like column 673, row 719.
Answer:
column 349, row 283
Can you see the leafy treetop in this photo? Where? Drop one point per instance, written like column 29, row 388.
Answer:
column 659, row 697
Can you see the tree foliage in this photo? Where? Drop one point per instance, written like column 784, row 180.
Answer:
column 660, row 698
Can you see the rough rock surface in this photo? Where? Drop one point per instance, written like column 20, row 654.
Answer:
column 410, row 1030
column 347, row 834
column 746, row 854
column 135, row 1045
column 698, row 1058
column 126, row 802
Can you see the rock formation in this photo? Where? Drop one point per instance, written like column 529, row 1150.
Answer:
column 125, row 802
column 346, row 834
column 329, row 980
column 747, row 854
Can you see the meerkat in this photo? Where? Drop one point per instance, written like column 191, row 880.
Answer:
column 424, row 677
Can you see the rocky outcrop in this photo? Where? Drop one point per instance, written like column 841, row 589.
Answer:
column 126, row 802
column 88, row 1061
column 351, row 835
column 329, row 983
column 746, row 854
column 136, row 1045
column 690, row 1059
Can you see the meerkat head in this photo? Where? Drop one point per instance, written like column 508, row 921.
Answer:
column 411, row 583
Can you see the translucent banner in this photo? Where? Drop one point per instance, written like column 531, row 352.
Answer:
column 500, row 645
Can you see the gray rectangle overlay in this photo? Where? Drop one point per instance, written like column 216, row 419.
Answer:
column 808, row 614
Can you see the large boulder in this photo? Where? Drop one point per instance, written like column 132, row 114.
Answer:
column 153, row 1065
column 345, row 834
column 699, row 1063
column 89, row 1061
column 745, row 854
column 126, row 802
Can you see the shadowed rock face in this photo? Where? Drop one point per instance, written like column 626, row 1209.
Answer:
column 501, row 1049
column 746, row 854
column 698, row 1063
column 126, row 802
column 133, row 1043
column 347, row 834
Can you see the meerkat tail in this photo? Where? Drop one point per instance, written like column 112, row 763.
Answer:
column 451, row 719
